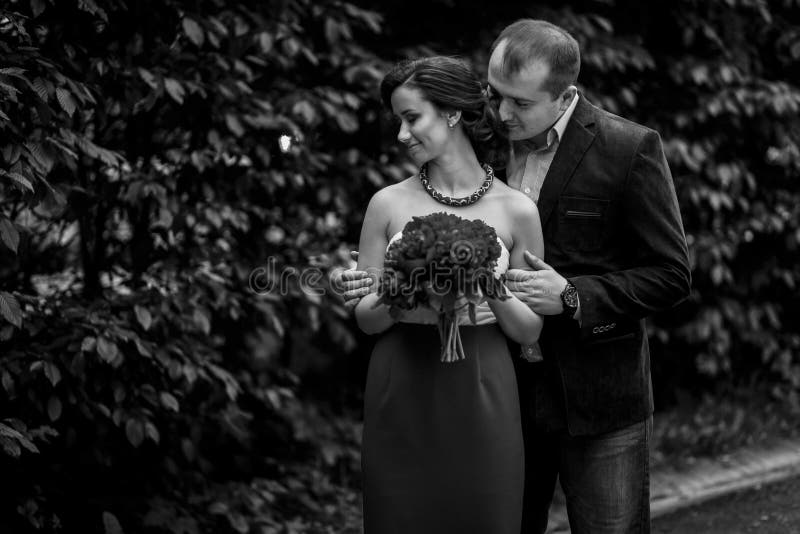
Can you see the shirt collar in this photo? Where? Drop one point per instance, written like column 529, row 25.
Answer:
column 561, row 123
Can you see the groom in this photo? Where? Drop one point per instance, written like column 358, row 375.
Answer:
column 616, row 253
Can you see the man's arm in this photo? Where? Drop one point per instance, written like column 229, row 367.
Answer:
column 661, row 276
column 352, row 284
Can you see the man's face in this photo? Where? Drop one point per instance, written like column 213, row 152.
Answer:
column 525, row 107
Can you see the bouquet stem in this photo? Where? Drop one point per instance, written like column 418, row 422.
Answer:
column 450, row 336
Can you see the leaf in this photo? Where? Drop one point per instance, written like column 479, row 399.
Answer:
column 175, row 89
column 107, row 349
column 202, row 321
column 169, row 401
column 143, row 316
column 8, row 383
column 16, row 435
column 193, row 31
column 6, row 332
column 142, row 348
column 119, row 392
column 10, row 309
column 89, row 344
column 11, row 447
column 304, row 109
column 13, row 71
column 111, row 524
column 65, row 100
column 52, row 372
column 149, row 78
column 151, row 432
column 265, row 40
column 92, row 7
column 188, row 449
column 291, row 46
column 37, row 7
column 347, row 122
column 40, row 86
column 9, row 234
column 54, row 408
column 40, row 157
column 10, row 91
column 134, row 430
column 234, row 124
column 20, row 179
column 92, row 150
column 332, row 31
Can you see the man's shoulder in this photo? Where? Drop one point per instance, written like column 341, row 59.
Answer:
column 612, row 124
column 617, row 128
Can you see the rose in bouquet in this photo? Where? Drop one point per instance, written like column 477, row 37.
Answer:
column 446, row 263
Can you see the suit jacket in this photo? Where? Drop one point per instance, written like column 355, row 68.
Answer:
column 612, row 226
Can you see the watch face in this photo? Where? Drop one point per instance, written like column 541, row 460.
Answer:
column 570, row 297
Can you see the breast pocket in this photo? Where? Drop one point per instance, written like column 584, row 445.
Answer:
column 582, row 223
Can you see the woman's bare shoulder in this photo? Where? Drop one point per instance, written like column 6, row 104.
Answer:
column 516, row 201
column 394, row 192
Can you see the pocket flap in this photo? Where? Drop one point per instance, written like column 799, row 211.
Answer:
column 583, row 207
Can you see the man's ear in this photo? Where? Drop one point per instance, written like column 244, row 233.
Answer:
column 567, row 96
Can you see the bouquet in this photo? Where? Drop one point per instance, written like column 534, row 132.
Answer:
column 446, row 263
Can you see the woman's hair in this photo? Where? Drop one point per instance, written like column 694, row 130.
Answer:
column 450, row 84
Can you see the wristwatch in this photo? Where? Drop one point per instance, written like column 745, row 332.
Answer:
column 569, row 298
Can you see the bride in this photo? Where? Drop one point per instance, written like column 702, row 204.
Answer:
column 442, row 445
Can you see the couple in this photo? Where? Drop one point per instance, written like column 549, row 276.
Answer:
column 476, row 446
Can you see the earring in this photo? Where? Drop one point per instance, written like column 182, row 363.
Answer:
column 451, row 124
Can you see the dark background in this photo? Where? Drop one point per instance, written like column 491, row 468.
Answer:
column 146, row 387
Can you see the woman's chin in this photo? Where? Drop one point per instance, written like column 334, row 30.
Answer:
column 419, row 159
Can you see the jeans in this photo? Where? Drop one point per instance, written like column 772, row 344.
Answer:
column 605, row 478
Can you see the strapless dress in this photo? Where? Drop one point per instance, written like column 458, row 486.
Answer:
column 442, row 445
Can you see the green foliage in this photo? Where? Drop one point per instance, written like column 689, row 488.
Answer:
column 163, row 164
column 142, row 184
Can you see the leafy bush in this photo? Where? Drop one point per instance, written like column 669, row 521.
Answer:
column 143, row 186
column 177, row 176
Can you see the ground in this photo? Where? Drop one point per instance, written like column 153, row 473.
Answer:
column 770, row 509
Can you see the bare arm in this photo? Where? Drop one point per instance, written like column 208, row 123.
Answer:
column 517, row 320
column 371, row 252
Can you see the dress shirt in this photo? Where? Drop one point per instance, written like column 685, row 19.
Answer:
column 527, row 168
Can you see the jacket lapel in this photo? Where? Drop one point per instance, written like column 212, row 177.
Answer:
column 578, row 136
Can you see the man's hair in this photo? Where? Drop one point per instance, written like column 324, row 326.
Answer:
column 529, row 40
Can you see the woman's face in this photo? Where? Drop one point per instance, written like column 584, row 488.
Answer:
column 423, row 128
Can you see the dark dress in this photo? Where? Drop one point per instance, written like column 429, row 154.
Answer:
column 442, row 445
